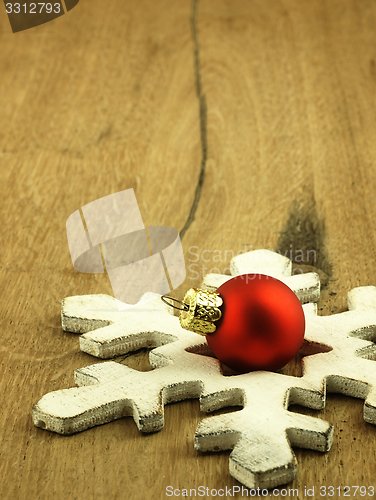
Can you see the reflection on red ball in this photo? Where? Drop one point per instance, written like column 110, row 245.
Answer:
column 262, row 325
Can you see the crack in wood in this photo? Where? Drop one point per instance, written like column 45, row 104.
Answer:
column 203, row 120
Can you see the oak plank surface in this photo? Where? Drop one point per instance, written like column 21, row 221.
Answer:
column 273, row 103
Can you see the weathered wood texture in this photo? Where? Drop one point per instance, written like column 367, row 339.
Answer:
column 274, row 104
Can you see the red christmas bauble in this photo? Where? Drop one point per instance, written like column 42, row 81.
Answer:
column 262, row 324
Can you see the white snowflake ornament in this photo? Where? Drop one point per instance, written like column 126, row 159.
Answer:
column 262, row 432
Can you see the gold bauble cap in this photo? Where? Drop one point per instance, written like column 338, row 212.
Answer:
column 200, row 311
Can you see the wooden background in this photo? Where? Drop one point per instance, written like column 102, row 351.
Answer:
column 243, row 124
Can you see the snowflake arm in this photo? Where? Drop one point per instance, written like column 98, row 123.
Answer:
column 349, row 367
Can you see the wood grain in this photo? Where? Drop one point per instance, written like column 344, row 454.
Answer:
column 262, row 112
